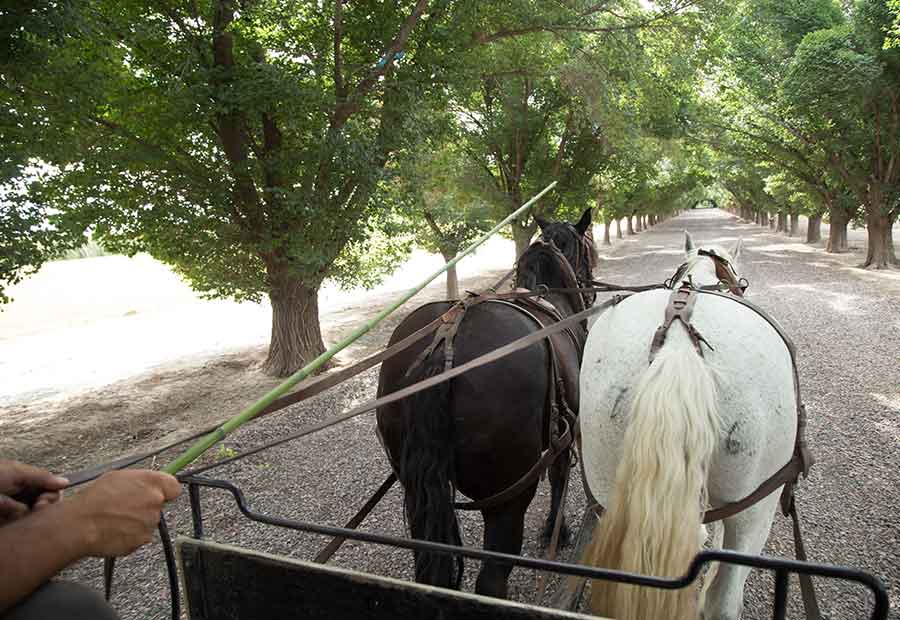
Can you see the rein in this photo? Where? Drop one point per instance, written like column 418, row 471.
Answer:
column 562, row 263
column 728, row 278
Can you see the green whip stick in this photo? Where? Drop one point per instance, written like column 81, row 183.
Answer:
column 208, row 441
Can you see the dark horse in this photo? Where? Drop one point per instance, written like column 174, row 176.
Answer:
column 484, row 430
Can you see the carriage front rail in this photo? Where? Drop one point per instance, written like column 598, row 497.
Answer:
column 781, row 568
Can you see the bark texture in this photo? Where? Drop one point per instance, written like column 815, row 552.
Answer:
column 814, row 229
column 452, row 277
column 522, row 235
column 880, row 254
column 296, row 336
column 837, row 232
column 452, row 283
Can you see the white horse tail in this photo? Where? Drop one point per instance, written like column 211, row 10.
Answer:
column 653, row 522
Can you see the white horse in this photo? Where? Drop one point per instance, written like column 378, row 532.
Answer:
column 663, row 441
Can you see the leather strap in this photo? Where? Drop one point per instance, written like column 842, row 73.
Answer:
column 554, row 536
column 807, row 591
column 547, row 457
column 109, row 566
column 487, row 358
column 681, row 307
column 335, row 543
column 801, row 447
column 787, row 475
column 314, row 387
column 726, row 274
column 319, row 384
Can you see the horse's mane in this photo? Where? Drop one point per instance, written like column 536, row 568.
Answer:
column 591, row 247
column 538, row 266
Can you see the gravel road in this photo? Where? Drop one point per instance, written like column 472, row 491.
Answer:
column 846, row 325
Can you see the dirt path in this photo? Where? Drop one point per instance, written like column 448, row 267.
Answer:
column 846, row 324
column 115, row 352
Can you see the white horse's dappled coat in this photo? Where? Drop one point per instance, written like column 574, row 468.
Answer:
column 718, row 434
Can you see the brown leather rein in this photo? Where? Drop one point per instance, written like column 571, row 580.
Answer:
column 680, row 307
column 728, row 278
column 317, row 385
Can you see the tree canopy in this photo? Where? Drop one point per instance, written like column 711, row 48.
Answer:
column 263, row 147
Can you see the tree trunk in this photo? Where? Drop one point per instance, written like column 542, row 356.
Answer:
column 814, row 229
column 782, row 223
column 772, row 221
column 630, row 224
column 881, row 242
column 638, row 223
column 795, row 224
column 452, row 283
column 452, row 279
column 837, row 231
column 296, row 335
column 606, row 240
column 522, row 235
column 619, row 229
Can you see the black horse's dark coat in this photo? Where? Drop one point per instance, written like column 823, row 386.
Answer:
column 483, row 430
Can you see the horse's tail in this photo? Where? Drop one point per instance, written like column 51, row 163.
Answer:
column 426, row 469
column 653, row 523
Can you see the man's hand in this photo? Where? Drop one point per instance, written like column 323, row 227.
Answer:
column 119, row 511
column 18, row 477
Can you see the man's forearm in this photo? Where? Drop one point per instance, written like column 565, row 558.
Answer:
column 37, row 547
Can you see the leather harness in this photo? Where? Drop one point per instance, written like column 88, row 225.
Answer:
column 562, row 423
column 680, row 307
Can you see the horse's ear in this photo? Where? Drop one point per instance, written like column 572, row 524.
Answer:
column 541, row 222
column 688, row 242
column 736, row 250
column 585, row 222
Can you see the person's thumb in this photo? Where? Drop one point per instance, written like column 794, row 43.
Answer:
column 10, row 509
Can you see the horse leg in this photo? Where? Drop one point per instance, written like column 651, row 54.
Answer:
column 503, row 530
column 559, row 470
column 718, row 537
column 568, row 595
column 745, row 532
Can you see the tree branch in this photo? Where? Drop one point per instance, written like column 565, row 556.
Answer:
column 346, row 109
column 340, row 89
column 562, row 142
column 433, row 225
column 481, row 38
column 230, row 125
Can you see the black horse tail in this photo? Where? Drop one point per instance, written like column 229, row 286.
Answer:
column 427, row 472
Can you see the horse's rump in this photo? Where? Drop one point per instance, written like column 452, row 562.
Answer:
column 498, row 409
column 754, row 378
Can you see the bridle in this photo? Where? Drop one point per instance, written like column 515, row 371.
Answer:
column 728, row 278
column 582, row 261
column 559, row 259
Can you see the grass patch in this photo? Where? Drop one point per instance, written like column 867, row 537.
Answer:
column 224, row 452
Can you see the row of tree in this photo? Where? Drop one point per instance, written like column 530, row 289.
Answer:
column 802, row 113
column 262, row 146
